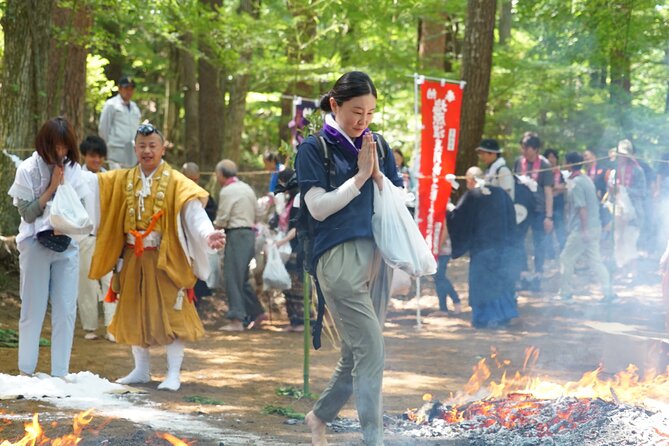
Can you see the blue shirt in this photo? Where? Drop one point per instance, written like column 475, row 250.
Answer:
column 355, row 219
column 274, row 177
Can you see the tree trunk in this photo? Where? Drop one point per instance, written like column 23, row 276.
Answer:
column 476, row 69
column 453, row 45
column 67, row 64
column 234, row 117
column 171, row 128
column 432, row 43
column 238, row 88
column 620, row 65
column 505, row 21
column 211, row 105
column 188, row 76
column 23, row 92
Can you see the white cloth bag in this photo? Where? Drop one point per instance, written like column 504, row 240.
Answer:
column 396, row 233
column 275, row 276
column 68, row 215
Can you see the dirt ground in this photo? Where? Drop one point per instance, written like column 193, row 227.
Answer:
column 243, row 371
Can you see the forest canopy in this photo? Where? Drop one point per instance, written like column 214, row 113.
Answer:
column 219, row 76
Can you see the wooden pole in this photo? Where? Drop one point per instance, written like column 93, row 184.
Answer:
column 306, row 287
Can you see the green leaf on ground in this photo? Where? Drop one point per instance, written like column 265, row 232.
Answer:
column 284, row 411
column 203, row 400
column 294, row 393
column 10, row 338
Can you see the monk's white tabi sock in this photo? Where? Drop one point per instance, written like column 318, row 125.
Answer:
column 175, row 356
column 140, row 374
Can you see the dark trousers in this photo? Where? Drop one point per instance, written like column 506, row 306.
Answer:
column 535, row 220
column 242, row 300
column 443, row 284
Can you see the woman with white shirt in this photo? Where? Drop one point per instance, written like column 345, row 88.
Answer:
column 49, row 263
column 350, row 271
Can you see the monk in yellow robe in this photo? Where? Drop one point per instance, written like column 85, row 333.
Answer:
column 153, row 231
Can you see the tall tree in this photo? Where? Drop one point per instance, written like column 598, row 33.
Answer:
column 505, row 21
column 211, row 101
column 238, row 88
column 188, row 76
column 619, row 56
column 67, row 63
column 23, row 106
column 476, row 69
column 432, row 43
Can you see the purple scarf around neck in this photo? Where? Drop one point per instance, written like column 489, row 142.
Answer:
column 343, row 141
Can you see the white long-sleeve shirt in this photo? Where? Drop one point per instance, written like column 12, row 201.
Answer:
column 118, row 124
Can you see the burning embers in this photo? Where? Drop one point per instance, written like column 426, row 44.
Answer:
column 526, row 410
column 35, row 435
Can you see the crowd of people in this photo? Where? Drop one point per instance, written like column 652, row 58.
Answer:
column 156, row 235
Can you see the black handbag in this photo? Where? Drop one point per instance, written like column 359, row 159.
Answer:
column 48, row 239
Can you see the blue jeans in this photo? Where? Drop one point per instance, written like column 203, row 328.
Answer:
column 443, row 284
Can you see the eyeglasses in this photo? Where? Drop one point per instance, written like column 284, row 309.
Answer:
column 148, row 129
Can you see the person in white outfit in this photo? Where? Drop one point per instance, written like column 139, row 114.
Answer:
column 49, row 263
column 94, row 151
column 118, row 122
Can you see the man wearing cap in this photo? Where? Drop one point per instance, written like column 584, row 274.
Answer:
column 497, row 172
column 118, row 123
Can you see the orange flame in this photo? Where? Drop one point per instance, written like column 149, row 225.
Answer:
column 625, row 386
column 518, row 399
column 34, row 434
column 173, row 440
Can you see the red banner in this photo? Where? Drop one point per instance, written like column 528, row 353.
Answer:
column 440, row 110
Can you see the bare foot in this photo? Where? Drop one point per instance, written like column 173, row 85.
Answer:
column 233, row 325
column 438, row 313
column 317, row 429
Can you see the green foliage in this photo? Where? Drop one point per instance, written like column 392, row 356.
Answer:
column 294, row 392
column 553, row 76
column 99, row 88
column 9, row 216
column 9, row 338
column 284, row 411
column 198, row 399
column 548, row 78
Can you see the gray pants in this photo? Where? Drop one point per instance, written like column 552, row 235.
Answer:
column 356, row 283
column 239, row 250
column 47, row 276
column 575, row 248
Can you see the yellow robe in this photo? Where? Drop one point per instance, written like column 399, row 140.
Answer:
column 149, row 312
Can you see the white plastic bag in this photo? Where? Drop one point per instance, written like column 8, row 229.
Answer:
column 275, row 276
column 284, row 250
column 401, row 284
column 396, row 233
column 68, row 215
column 215, row 279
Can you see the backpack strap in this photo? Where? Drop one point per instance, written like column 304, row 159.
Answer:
column 328, row 165
column 381, row 148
